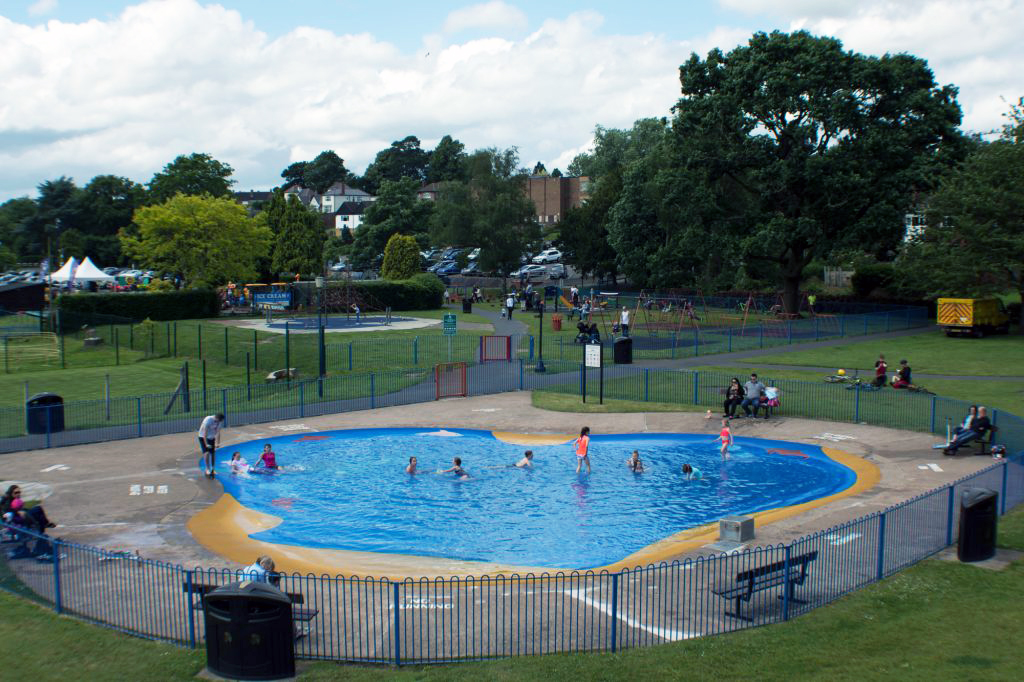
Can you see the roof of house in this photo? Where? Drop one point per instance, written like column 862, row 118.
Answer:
column 341, row 189
column 353, row 207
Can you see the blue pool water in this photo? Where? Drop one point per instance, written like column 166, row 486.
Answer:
column 348, row 490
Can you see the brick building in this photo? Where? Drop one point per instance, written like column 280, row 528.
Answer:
column 554, row 196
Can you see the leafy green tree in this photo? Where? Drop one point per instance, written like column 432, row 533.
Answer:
column 15, row 218
column 403, row 159
column 584, row 230
column 396, row 211
column 556, row 173
column 973, row 244
column 8, row 259
column 447, row 161
column 56, row 212
column 539, row 169
column 401, row 258
column 106, row 204
column 299, row 246
column 615, row 149
column 790, row 147
column 346, row 235
column 192, row 175
column 323, row 171
column 335, row 249
column 208, row 240
column 295, row 173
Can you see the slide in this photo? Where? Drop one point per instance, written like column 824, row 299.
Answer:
column 566, row 302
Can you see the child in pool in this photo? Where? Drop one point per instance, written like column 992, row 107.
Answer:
column 725, row 437
column 692, row 473
column 237, row 464
column 583, row 449
column 635, row 464
column 456, row 469
column 267, row 460
column 411, row 468
column 526, row 461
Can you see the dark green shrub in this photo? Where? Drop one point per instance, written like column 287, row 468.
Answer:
column 869, row 278
column 164, row 305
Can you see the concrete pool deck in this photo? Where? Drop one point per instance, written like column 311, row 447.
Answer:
column 139, row 494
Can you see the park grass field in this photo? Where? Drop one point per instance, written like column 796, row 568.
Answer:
column 937, row 620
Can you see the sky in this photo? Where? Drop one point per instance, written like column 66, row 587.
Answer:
column 90, row 87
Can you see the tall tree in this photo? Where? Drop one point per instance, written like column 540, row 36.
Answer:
column 584, row 230
column 396, row 211
column 57, row 211
column 403, row 159
column 794, row 147
column 973, row 244
column 323, row 171
column 300, row 239
column 447, row 161
column 401, row 258
column 207, row 240
column 16, row 216
column 192, row 175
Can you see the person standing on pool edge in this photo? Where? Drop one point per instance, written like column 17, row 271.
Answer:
column 209, row 438
column 583, row 449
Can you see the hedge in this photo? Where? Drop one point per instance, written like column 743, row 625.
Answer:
column 167, row 305
column 421, row 292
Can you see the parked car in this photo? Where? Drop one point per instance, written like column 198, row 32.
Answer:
column 474, row 254
column 439, row 264
column 556, row 271
column 451, row 253
column 451, row 268
column 471, row 269
column 533, row 273
column 548, row 256
column 111, row 270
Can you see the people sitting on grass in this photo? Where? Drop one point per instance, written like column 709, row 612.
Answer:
column 880, row 371
column 979, row 427
column 903, row 378
column 733, row 398
column 752, row 392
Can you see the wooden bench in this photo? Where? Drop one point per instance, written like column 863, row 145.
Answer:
column 985, row 443
column 301, row 616
column 765, row 578
column 769, row 410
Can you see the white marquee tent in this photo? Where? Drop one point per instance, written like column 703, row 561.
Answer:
column 85, row 271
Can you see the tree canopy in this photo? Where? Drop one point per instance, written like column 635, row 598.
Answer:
column 396, row 211
column 319, row 174
column 299, row 240
column 447, row 161
column 192, row 175
column 403, row 159
column 208, row 240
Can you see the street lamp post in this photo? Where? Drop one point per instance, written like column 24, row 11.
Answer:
column 540, row 351
column 320, row 332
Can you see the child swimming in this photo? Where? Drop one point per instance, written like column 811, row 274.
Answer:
column 526, row 461
column 583, row 449
column 267, row 461
column 692, row 473
column 635, row 464
column 411, row 468
column 456, row 469
column 237, row 465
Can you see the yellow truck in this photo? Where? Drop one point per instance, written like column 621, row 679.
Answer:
column 973, row 316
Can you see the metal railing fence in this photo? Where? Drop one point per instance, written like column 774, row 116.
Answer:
column 435, row 620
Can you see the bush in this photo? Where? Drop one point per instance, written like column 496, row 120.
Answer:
column 401, row 258
column 159, row 306
column 869, row 278
column 420, row 292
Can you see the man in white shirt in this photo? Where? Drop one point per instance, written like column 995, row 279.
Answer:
column 624, row 321
column 209, row 438
column 510, row 303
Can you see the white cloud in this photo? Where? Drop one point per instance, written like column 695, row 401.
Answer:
column 489, row 15
column 42, row 7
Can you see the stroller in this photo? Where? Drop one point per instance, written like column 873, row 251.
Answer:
column 582, row 333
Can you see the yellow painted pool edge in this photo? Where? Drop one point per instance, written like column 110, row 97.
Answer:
column 224, row 528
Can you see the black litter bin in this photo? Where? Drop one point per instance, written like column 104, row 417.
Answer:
column 44, row 413
column 249, row 632
column 623, row 351
column 978, row 515
column 467, row 305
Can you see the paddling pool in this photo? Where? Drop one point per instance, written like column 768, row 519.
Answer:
column 348, row 490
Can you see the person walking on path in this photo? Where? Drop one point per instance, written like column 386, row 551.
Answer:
column 209, row 438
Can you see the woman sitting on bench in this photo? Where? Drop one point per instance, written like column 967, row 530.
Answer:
column 979, row 427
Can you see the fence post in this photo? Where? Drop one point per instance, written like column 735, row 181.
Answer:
column 531, row 346
column 175, row 328
column 521, row 373
column 760, row 328
column 117, row 347
column 131, row 337
column 933, row 414
column 415, row 351
column 949, row 516
column 730, row 339
column 63, row 365
column 788, row 588
column 583, row 381
column 696, row 343
column 255, row 350
column 199, row 340
column 248, row 379
column 880, row 573
column 350, row 356
column 138, row 414
column 674, row 335
column 789, row 331
column 398, row 641
column 225, row 345
column 55, row 550
column 373, row 396
column 647, row 383
column 224, row 404
column 856, row 404
column 302, row 399
column 696, row 397
column 287, row 352
column 167, row 329
column 191, row 612
column 1002, row 494
column 615, row 609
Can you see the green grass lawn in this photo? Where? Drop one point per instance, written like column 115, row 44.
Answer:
column 927, row 353
column 935, row 621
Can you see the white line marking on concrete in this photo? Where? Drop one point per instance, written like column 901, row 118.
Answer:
column 293, row 427
column 487, row 409
column 837, row 540
column 55, row 467
column 922, row 466
column 834, row 437
column 664, row 633
column 934, row 467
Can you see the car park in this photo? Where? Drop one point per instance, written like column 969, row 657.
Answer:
column 548, row 256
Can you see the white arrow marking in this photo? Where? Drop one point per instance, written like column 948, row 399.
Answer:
column 55, row 467
column 934, row 467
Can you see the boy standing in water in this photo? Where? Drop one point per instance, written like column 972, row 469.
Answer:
column 635, row 464
column 583, row 449
column 725, row 437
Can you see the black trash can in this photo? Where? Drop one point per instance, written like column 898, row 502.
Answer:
column 978, row 516
column 467, row 305
column 249, row 632
column 44, row 413
column 623, row 351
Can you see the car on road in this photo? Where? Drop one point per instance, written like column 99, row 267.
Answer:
column 548, row 256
